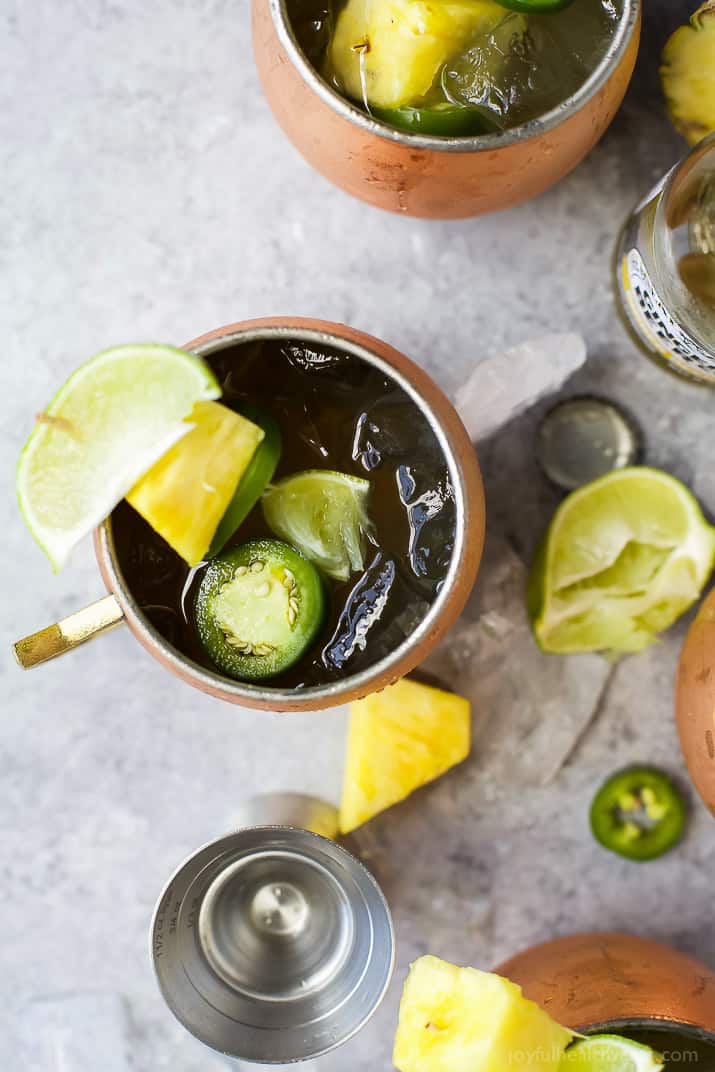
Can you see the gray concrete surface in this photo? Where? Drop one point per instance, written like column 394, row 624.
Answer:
column 147, row 194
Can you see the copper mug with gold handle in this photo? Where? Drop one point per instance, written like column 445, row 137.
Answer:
column 122, row 606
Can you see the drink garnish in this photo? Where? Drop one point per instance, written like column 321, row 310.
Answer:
column 688, row 74
column 111, row 421
column 442, row 120
column 456, row 1019
column 623, row 558
column 186, row 493
column 258, row 609
column 402, row 45
column 399, row 739
column 323, row 514
column 638, row 813
column 610, row 1053
column 255, row 479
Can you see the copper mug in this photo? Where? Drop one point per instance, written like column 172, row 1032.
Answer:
column 695, row 701
column 437, row 178
column 616, row 983
column 121, row 606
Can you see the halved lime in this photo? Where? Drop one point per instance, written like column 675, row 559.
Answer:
column 610, row 1053
column 323, row 514
column 113, row 418
column 623, row 558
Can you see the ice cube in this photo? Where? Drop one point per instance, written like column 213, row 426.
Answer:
column 486, row 74
column 307, row 359
column 583, row 30
column 528, row 65
column 430, row 513
column 531, row 708
column 384, row 594
column 78, row 1031
column 328, row 372
column 309, row 431
column 503, row 386
column 388, row 429
column 363, row 609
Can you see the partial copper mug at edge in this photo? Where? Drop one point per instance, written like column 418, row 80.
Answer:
column 695, row 701
column 616, row 982
column 440, row 178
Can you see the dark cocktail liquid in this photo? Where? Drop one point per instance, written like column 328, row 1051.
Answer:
column 335, row 412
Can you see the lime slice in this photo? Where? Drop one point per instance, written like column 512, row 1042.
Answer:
column 114, row 417
column 610, row 1053
column 323, row 514
column 623, row 558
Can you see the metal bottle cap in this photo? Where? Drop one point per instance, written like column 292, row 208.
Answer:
column 584, row 438
column 272, row 945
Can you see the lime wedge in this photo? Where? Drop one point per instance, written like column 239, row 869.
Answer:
column 610, row 1053
column 623, row 558
column 323, row 514
column 113, row 418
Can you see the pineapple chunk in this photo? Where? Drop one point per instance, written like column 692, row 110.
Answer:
column 399, row 739
column 463, row 1020
column 688, row 75
column 399, row 46
column 185, row 494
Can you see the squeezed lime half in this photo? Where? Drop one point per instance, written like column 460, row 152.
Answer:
column 610, row 1053
column 323, row 514
column 623, row 558
column 110, row 422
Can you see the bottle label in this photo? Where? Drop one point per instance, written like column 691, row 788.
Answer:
column 656, row 326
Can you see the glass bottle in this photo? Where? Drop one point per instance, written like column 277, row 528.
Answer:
column 665, row 268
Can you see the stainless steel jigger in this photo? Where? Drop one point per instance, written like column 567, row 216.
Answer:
column 272, row 945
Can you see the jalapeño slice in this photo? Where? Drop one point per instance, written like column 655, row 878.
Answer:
column 442, row 120
column 258, row 609
column 254, row 481
column 638, row 813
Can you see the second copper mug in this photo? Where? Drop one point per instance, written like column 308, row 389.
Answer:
column 445, row 178
column 621, row 984
column 461, row 462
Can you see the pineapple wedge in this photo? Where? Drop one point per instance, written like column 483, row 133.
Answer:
column 185, row 494
column 398, row 740
column 463, row 1020
column 391, row 51
column 688, row 75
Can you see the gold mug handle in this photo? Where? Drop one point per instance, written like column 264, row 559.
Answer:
column 68, row 633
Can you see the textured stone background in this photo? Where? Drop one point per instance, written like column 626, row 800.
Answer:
column 148, row 195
